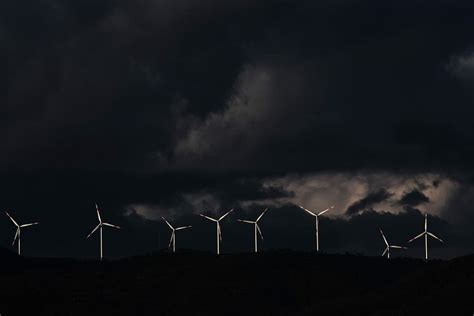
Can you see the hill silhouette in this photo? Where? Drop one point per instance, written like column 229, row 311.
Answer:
column 276, row 283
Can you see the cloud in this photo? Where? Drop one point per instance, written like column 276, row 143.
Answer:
column 414, row 198
column 255, row 116
column 109, row 79
column 368, row 201
column 350, row 193
column 345, row 189
column 462, row 66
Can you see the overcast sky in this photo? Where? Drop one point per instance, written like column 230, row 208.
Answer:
column 158, row 108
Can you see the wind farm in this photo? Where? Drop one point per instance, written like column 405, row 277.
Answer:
column 295, row 280
column 257, row 232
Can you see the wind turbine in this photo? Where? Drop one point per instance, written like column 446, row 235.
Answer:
column 18, row 232
column 218, row 227
column 99, row 226
column 387, row 249
column 316, row 216
column 426, row 233
column 256, row 228
column 173, row 234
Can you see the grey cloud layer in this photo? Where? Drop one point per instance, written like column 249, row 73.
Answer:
column 287, row 88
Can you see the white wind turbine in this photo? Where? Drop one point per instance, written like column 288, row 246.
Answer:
column 387, row 249
column 316, row 216
column 256, row 228
column 218, row 227
column 173, row 234
column 426, row 233
column 99, row 226
column 18, row 232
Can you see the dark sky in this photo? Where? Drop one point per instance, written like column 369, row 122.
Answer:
column 172, row 107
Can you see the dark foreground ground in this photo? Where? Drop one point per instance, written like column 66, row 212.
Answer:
column 279, row 283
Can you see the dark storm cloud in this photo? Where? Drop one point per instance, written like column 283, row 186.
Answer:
column 136, row 103
column 139, row 84
column 342, row 82
column 111, row 83
column 368, row 201
column 414, row 198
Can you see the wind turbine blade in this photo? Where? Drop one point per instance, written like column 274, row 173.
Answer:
column 14, row 222
column 93, row 231
column 98, row 213
column 398, row 247
column 261, row 215
column 16, row 235
column 209, row 218
column 416, row 237
column 110, row 225
column 426, row 222
column 183, row 227
column 326, row 210
column 219, row 230
column 30, row 224
column 432, row 235
column 259, row 231
column 171, row 240
column 245, row 221
column 167, row 223
column 384, row 239
column 306, row 210
column 222, row 217
column 385, row 251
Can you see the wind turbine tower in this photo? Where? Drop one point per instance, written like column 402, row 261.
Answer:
column 100, row 226
column 316, row 218
column 173, row 234
column 18, row 232
column 425, row 234
column 218, row 228
column 256, row 228
column 388, row 246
